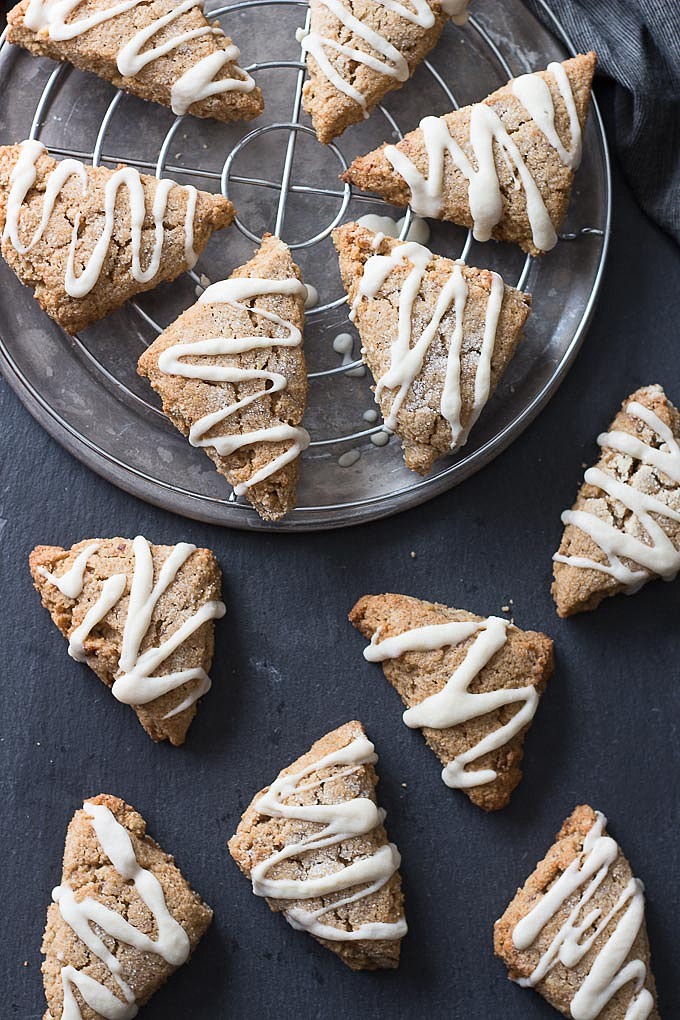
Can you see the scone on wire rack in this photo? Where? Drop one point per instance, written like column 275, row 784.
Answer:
column 85, row 239
column 232, row 377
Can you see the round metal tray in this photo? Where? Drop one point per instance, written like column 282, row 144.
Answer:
column 84, row 390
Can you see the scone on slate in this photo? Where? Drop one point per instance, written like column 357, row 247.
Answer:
column 162, row 51
column 358, row 52
column 82, row 259
column 122, row 920
column 503, row 167
column 231, row 374
column 472, row 684
column 141, row 616
column 624, row 528
column 576, row 930
column 457, row 328
column 314, row 844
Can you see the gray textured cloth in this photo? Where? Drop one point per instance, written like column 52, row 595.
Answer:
column 638, row 46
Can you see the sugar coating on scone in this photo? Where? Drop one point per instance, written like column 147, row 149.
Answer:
column 576, row 930
column 314, row 845
column 86, row 239
column 121, row 921
column 232, row 377
column 358, row 51
column 624, row 528
column 160, row 50
column 141, row 616
column 437, row 336
column 472, row 684
column 503, row 167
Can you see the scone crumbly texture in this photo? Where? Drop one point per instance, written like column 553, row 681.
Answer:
column 97, row 49
column 425, row 433
column 258, row 837
column 579, row 589
column 186, row 401
column 198, row 581
column 526, row 659
column 90, row 873
column 332, row 110
column 43, row 267
column 374, row 172
column 561, row 983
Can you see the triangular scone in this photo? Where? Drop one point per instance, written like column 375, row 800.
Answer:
column 576, row 930
column 624, row 528
column 314, row 844
column 471, row 684
column 504, row 166
column 437, row 336
column 82, row 259
column 122, row 920
column 357, row 52
column 164, row 51
column 231, row 374
column 141, row 616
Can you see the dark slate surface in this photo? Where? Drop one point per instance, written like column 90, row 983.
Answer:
column 289, row 667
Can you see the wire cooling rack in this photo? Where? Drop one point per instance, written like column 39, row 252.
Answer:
column 84, row 390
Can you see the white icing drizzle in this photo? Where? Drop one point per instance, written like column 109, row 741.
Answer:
column 173, row 361
column 455, row 703
column 387, row 226
column 657, row 557
column 486, row 127
column 135, row 683
column 609, row 971
column 88, row 916
column 70, row 584
column 407, row 361
column 338, row 823
column 23, row 178
column 51, row 17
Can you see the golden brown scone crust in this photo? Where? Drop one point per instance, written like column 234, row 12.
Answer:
column 198, row 581
column 425, row 433
column 97, row 49
column 259, row 836
column 331, row 110
column 185, row 401
column 525, row 659
column 578, row 589
column 89, row 872
column 43, row 268
column 374, row 172
column 560, row 985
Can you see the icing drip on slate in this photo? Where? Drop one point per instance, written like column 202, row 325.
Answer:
column 609, row 971
column 486, row 128
column 455, row 704
column 657, row 557
column 173, row 362
column 22, row 180
column 88, row 915
column 135, row 683
column 407, row 360
column 338, row 823
column 197, row 83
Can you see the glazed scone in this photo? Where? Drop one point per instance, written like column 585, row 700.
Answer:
column 437, row 336
column 122, row 920
column 232, row 377
column 624, row 528
column 504, row 166
column 141, row 616
column 314, row 844
column 576, row 930
column 82, row 259
column 359, row 50
column 160, row 50
column 472, row 684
